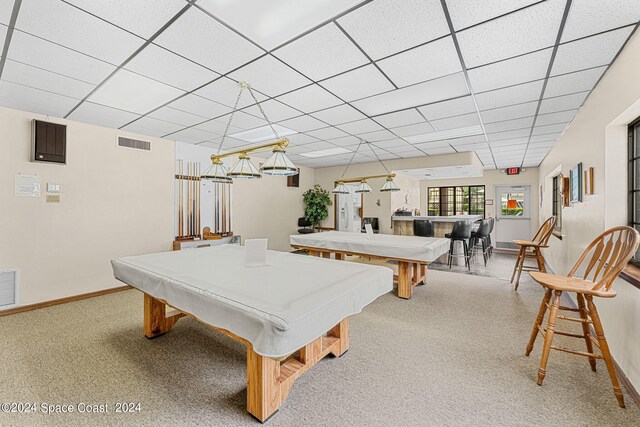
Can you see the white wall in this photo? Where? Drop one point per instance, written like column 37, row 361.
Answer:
column 597, row 138
column 114, row 202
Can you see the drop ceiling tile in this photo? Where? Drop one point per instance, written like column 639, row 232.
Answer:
column 152, row 127
column 303, row 123
column 81, row 31
column 525, row 31
column 509, row 135
column 131, row 92
column 346, row 141
column 270, row 76
column 337, row 115
column 327, row 133
column 34, row 100
column 309, row 99
column 242, row 120
column 142, row 17
column 456, row 122
column 511, row 150
column 300, row 139
column 360, row 126
column 553, row 118
column 464, row 15
column 414, row 129
column 511, row 95
column 217, row 127
column 523, row 123
column 359, row 83
column 3, row 34
column 547, row 129
column 200, row 106
column 544, row 138
column 537, row 152
column 37, row 78
column 561, row 103
column 6, row 7
column 315, row 146
column 200, row 38
column 192, row 136
column 48, row 56
column 423, row 93
column 474, row 139
column 225, row 91
column 274, row 22
column 179, row 117
column 228, row 144
column 511, row 71
column 391, row 144
column 438, row 151
column 380, row 135
column 276, row 111
column 590, row 52
column 588, row 17
column 470, row 147
column 508, row 113
column 401, row 118
column 454, row 107
column 159, row 64
column 100, row 115
column 573, row 82
column 409, row 152
column 322, row 53
column 418, row 65
column 385, row 27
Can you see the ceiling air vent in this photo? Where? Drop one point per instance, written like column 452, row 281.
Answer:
column 8, row 288
column 134, row 143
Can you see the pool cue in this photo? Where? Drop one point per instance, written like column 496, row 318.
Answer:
column 198, row 189
column 224, row 209
column 180, row 225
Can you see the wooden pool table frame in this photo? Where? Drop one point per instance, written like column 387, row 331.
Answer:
column 410, row 272
column 269, row 380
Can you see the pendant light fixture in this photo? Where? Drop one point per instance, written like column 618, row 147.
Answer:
column 364, row 187
column 277, row 164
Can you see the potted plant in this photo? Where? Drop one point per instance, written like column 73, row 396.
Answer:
column 316, row 201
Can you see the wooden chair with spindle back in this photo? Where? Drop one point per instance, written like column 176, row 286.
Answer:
column 532, row 249
column 610, row 253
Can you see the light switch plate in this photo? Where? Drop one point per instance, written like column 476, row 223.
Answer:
column 53, row 188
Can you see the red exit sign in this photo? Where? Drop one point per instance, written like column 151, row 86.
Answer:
column 513, row 171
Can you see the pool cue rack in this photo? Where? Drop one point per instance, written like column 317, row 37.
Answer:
column 221, row 213
column 188, row 192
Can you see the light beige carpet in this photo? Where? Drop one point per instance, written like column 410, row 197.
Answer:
column 453, row 355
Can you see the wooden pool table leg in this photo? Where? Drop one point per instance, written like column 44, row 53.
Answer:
column 269, row 380
column 423, row 273
column 156, row 321
column 405, row 289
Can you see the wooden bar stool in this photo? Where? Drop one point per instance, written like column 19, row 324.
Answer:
column 610, row 253
column 532, row 249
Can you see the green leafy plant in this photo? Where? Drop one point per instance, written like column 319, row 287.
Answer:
column 316, row 201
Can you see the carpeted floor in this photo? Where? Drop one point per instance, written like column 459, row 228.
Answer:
column 452, row 355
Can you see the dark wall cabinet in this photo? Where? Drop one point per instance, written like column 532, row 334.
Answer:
column 49, row 142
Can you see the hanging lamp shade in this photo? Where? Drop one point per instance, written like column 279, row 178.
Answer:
column 216, row 172
column 279, row 164
column 390, row 185
column 244, row 169
column 340, row 188
column 363, row 187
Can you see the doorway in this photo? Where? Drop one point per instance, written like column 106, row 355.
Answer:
column 513, row 215
column 349, row 210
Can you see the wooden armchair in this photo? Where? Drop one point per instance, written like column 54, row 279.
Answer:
column 610, row 252
column 532, row 249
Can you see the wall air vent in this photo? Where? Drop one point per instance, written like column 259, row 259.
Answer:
column 134, row 143
column 8, row 288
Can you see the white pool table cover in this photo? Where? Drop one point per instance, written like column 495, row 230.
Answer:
column 278, row 308
column 414, row 248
